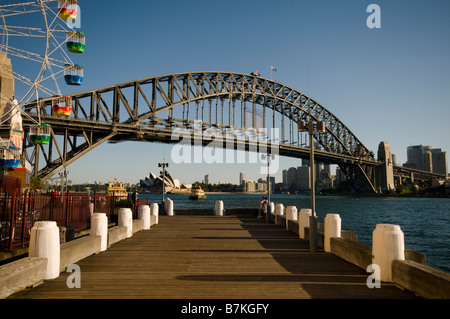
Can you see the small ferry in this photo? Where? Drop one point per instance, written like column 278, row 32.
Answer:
column 197, row 194
column 118, row 190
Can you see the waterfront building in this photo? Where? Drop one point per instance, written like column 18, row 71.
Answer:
column 261, row 187
column 427, row 159
column 284, row 184
column 326, row 171
column 154, row 183
column 272, row 183
column 303, row 180
column 419, row 157
column 340, row 176
column 292, row 179
column 249, row 186
column 241, row 178
column 439, row 161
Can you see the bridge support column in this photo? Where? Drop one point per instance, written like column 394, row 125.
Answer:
column 385, row 173
column 6, row 85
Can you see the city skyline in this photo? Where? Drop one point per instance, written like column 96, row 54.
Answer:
column 379, row 82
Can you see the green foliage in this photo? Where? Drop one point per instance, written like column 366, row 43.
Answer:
column 36, row 183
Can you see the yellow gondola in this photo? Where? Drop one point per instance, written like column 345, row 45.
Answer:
column 67, row 9
column 62, row 105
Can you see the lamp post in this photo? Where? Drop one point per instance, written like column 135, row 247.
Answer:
column 163, row 165
column 309, row 127
column 268, row 157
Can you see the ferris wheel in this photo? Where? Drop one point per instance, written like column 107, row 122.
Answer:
column 38, row 40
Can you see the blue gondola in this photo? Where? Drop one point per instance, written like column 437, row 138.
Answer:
column 73, row 74
column 10, row 156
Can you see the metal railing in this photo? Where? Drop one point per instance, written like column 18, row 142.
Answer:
column 20, row 210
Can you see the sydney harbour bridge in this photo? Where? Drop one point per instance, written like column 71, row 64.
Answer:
column 241, row 107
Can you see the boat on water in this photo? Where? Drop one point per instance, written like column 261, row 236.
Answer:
column 117, row 190
column 197, row 194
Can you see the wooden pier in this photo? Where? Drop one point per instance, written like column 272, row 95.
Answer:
column 214, row 257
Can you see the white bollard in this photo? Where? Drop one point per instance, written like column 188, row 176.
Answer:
column 303, row 221
column 144, row 214
column 154, row 211
column 99, row 227
column 387, row 245
column 279, row 209
column 44, row 243
column 168, row 206
column 218, row 209
column 291, row 214
column 332, row 224
column 126, row 219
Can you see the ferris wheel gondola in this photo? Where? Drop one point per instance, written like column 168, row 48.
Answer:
column 73, row 74
column 40, row 133
column 75, row 41
column 67, row 9
column 61, row 105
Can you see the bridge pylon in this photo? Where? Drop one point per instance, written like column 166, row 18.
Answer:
column 385, row 172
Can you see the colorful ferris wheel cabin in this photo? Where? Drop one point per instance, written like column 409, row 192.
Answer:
column 76, row 41
column 9, row 155
column 67, row 9
column 73, row 74
column 62, row 105
column 40, row 133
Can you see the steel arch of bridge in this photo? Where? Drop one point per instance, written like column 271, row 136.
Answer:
column 149, row 109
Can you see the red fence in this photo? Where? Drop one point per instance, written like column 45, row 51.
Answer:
column 20, row 210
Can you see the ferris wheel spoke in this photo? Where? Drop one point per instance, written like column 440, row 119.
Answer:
column 14, row 31
column 36, row 57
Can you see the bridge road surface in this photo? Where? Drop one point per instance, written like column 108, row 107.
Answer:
column 214, row 257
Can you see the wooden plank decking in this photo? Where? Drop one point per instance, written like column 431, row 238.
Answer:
column 205, row 257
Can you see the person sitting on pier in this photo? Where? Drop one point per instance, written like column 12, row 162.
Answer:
column 261, row 207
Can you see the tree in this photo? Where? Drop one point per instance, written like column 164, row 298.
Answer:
column 36, row 183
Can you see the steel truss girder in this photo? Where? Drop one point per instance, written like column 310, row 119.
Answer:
column 139, row 109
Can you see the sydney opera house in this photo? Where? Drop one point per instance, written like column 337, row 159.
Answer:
column 154, row 184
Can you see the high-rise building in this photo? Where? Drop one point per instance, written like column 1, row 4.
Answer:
column 303, row 182
column 326, row 171
column 427, row 159
column 207, row 179
column 340, row 176
column 292, row 179
column 285, row 186
column 439, row 161
column 419, row 157
column 272, row 183
column 241, row 178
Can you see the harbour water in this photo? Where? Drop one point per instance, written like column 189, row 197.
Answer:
column 425, row 222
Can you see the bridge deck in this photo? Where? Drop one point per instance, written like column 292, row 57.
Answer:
column 208, row 257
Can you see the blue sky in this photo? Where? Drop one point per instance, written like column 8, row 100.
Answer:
column 389, row 84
